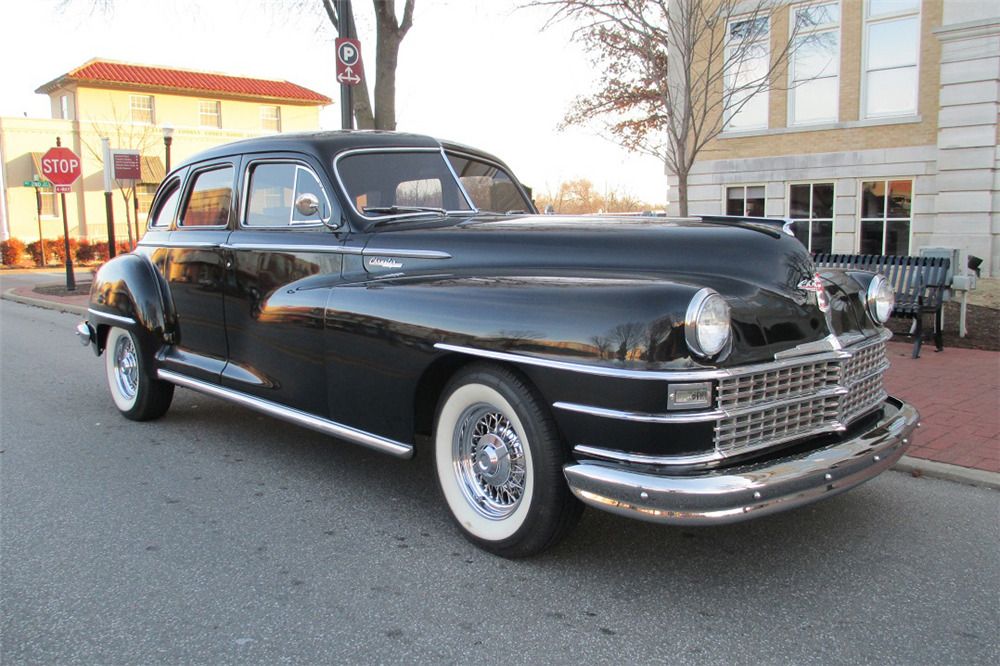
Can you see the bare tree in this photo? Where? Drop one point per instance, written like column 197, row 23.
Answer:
column 579, row 197
column 673, row 71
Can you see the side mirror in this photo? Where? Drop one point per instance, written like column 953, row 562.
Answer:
column 307, row 204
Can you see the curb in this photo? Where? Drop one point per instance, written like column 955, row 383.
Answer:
column 955, row 473
column 9, row 295
column 917, row 467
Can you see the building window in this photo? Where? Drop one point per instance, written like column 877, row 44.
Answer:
column 814, row 67
column 141, row 107
column 270, row 118
column 210, row 114
column 144, row 193
column 64, row 112
column 811, row 205
column 49, row 203
column 748, row 64
column 892, row 48
column 886, row 207
column 745, row 200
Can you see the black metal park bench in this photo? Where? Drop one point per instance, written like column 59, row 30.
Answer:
column 919, row 283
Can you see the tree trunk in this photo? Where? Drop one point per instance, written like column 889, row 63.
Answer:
column 682, row 193
column 386, row 59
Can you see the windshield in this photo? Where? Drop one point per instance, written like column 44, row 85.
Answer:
column 400, row 183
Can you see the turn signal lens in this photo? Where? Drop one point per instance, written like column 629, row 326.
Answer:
column 881, row 299
column 707, row 325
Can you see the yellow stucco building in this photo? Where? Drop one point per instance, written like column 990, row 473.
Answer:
column 137, row 107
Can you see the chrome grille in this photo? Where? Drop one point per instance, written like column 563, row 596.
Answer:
column 769, row 407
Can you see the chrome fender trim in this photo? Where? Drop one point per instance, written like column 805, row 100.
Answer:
column 325, row 426
column 735, row 494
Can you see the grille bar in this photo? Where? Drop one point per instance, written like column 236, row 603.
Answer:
column 770, row 407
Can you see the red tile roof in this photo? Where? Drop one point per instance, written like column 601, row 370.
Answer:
column 143, row 76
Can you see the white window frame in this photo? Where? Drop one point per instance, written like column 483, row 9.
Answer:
column 833, row 213
column 792, row 89
column 50, row 196
column 65, row 113
column 745, row 186
column 766, row 93
column 217, row 112
column 887, row 18
column 277, row 117
column 885, row 210
column 132, row 99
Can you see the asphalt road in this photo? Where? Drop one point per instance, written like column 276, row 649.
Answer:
column 217, row 536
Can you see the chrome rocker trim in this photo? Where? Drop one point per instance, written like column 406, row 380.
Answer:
column 325, row 426
column 740, row 493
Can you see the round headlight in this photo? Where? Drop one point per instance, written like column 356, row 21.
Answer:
column 881, row 299
column 706, row 326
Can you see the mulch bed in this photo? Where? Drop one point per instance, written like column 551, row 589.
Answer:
column 60, row 289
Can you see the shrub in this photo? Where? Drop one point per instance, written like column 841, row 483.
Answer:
column 57, row 248
column 100, row 249
column 84, row 251
column 35, row 250
column 12, row 252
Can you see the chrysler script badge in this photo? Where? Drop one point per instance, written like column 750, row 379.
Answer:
column 815, row 286
column 384, row 263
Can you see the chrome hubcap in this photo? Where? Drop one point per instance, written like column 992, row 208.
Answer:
column 489, row 463
column 126, row 367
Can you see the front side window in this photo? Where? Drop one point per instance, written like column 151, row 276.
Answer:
column 814, row 64
column 141, row 107
column 745, row 200
column 211, row 199
column 209, row 114
column 400, row 183
column 165, row 211
column 270, row 118
column 811, row 205
column 886, row 214
column 491, row 188
column 892, row 49
column 274, row 189
column 748, row 64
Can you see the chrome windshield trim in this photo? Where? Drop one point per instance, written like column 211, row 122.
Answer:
column 325, row 426
column 660, row 375
column 697, row 417
column 112, row 317
column 399, row 149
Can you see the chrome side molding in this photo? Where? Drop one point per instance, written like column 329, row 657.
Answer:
column 113, row 317
column 325, row 426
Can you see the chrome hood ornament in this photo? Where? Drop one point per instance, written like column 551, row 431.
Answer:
column 814, row 285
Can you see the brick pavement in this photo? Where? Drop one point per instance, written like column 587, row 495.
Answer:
column 957, row 392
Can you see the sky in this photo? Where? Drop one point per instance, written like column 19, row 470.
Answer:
column 480, row 72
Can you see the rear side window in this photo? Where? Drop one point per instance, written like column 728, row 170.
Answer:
column 211, row 199
column 165, row 210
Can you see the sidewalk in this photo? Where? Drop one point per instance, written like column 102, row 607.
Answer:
column 957, row 392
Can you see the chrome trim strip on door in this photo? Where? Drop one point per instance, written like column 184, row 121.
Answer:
column 184, row 244
column 406, row 254
column 268, row 247
column 325, row 426
column 112, row 317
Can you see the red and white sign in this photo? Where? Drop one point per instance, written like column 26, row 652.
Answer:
column 126, row 164
column 349, row 68
column 61, row 166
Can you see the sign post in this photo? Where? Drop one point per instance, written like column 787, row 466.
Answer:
column 62, row 167
column 109, row 208
column 349, row 69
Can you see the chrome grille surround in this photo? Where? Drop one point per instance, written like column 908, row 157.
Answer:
column 766, row 407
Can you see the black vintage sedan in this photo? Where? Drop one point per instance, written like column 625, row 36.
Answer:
column 383, row 287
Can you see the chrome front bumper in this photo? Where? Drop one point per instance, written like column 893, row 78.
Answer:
column 740, row 493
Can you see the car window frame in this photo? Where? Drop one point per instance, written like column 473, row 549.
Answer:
column 493, row 163
column 192, row 179
column 160, row 198
column 247, row 168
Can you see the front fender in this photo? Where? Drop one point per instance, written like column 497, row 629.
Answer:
column 128, row 292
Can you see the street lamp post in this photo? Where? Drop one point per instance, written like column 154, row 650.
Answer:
column 168, row 139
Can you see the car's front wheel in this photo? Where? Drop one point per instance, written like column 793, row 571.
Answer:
column 499, row 463
column 137, row 393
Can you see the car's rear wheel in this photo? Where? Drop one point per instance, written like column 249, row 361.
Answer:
column 136, row 391
column 499, row 463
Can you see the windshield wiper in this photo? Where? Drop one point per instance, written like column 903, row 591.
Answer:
column 403, row 210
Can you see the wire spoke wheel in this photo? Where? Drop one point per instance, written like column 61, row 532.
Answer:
column 488, row 459
column 126, row 367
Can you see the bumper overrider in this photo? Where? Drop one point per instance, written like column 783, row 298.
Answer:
column 739, row 493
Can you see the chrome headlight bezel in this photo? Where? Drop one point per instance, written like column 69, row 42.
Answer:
column 880, row 299
column 707, row 324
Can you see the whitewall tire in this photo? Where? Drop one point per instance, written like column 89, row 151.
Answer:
column 136, row 391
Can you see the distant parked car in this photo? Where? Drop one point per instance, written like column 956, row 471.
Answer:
column 379, row 286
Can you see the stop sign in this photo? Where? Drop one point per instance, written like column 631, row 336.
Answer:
column 61, row 166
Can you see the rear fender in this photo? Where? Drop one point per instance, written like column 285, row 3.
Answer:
column 128, row 292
